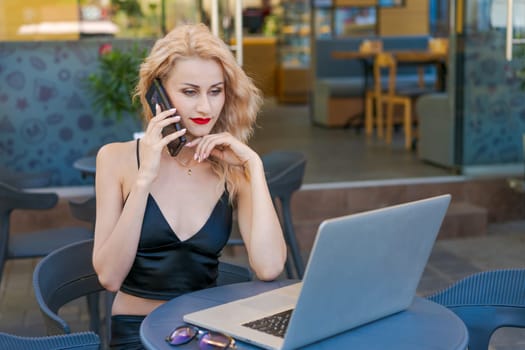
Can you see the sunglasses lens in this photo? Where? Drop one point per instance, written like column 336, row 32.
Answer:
column 215, row 341
column 181, row 335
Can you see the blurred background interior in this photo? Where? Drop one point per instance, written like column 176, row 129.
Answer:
column 295, row 52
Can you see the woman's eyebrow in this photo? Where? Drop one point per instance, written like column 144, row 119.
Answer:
column 195, row 86
column 191, row 85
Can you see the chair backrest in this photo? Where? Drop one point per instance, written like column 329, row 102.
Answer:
column 64, row 275
column 77, row 341
column 284, row 172
column 12, row 198
column 385, row 61
column 230, row 273
column 284, row 175
column 439, row 45
column 485, row 302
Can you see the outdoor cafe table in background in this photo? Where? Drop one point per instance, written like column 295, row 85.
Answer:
column 87, row 165
column 424, row 325
column 403, row 57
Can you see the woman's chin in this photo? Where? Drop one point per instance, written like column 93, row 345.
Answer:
column 196, row 133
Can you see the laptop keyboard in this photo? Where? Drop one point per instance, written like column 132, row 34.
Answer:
column 275, row 324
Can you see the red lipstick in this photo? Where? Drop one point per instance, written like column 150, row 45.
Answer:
column 201, row 121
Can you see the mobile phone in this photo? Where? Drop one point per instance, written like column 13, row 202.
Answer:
column 157, row 95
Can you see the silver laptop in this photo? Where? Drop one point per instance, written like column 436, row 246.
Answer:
column 362, row 267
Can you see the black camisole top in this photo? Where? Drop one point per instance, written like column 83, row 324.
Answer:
column 166, row 267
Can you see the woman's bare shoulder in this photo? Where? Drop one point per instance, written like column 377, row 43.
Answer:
column 117, row 155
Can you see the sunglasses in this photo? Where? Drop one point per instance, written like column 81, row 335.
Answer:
column 207, row 340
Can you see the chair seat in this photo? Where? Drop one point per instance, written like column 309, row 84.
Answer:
column 414, row 91
column 41, row 243
column 409, row 89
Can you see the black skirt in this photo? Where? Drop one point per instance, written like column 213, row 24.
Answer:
column 125, row 332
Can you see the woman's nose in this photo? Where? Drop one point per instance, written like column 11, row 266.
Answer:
column 203, row 105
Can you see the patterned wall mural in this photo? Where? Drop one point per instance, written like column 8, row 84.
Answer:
column 46, row 117
column 494, row 104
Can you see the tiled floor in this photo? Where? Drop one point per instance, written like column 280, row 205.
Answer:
column 333, row 155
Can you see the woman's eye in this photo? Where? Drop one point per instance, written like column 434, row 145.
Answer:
column 216, row 91
column 190, row 92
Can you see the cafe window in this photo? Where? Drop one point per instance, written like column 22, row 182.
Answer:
column 439, row 18
column 39, row 20
column 33, row 20
column 391, row 3
column 355, row 21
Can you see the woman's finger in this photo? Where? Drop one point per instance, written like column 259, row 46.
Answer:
column 207, row 144
column 173, row 136
column 167, row 121
column 194, row 142
column 162, row 114
column 161, row 120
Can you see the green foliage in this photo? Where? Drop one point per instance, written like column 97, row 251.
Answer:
column 129, row 7
column 112, row 85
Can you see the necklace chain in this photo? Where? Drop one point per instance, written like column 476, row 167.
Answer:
column 185, row 165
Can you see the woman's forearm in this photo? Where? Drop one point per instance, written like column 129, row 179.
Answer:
column 266, row 243
column 117, row 246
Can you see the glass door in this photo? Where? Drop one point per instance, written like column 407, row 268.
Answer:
column 225, row 17
column 510, row 16
column 488, row 89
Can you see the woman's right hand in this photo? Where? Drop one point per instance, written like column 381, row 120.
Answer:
column 153, row 143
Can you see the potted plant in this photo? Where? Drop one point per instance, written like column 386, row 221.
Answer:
column 112, row 84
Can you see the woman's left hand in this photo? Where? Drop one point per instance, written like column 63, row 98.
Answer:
column 223, row 146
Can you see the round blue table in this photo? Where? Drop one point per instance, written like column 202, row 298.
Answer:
column 87, row 165
column 424, row 325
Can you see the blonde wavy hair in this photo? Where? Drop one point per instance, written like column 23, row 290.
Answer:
column 242, row 98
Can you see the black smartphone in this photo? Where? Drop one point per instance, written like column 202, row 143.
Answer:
column 157, row 95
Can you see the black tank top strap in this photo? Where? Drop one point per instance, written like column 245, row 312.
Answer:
column 138, row 154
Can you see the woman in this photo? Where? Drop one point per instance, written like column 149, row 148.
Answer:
column 162, row 221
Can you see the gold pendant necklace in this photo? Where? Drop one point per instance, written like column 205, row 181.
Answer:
column 185, row 165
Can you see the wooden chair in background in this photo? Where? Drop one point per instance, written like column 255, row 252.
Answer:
column 379, row 95
column 438, row 45
column 369, row 48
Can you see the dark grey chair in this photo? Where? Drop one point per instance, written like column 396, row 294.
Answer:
column 76, row 341
column 31, row 244
column 85, row 210
column 284, row 174
column 68, row 274
column 62, row 276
